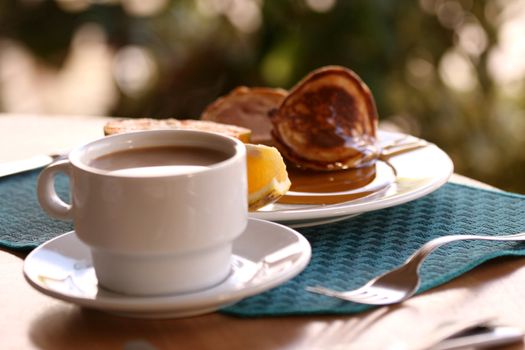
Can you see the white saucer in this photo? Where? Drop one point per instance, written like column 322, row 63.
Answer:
column 265, row 255
column 417, row 173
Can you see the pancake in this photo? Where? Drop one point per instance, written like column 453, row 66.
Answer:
column 327, row 122
column 118, row 126
column 248, row 108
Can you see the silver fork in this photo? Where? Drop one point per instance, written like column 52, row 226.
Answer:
column 402, row 282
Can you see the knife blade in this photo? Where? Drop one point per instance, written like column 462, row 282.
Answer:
column 22, row 165
column 481, row 337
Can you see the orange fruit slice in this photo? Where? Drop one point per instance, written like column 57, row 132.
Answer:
column 267, row 176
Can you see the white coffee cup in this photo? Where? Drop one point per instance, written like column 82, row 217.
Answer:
column 155, row 232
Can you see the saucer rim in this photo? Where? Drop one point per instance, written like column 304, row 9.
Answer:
column 180, row 305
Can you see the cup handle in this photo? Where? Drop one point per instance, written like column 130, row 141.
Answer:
column 47, row 195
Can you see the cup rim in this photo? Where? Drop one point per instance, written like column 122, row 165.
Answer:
column 76, row 154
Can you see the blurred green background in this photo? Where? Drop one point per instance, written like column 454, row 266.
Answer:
column 449, row 71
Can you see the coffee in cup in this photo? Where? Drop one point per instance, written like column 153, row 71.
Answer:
column 158, row 209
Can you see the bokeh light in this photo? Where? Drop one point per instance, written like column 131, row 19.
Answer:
column 449, row 71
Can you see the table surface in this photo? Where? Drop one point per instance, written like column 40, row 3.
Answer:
column 32, row 320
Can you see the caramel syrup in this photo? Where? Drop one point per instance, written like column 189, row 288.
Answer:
column 309, row 186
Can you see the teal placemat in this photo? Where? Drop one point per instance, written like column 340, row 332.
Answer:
column 345, row 254
column 23, row 224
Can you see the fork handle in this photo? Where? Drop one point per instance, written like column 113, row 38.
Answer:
column 419, row 255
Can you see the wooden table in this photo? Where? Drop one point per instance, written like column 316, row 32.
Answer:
column 29, row 319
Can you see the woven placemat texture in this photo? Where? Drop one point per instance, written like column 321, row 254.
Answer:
column 345, row 254
column 23, row 224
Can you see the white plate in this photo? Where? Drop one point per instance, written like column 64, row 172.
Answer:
column 266, row 255
column 418, row 172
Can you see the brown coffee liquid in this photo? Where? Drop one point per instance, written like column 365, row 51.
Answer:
column 327, row 182
column 158, row 160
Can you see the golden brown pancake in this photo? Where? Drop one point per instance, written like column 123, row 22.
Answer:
column 247, row 107
column 327, row 122
column 126, row 125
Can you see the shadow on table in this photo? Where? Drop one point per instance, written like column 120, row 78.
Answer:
column 70, row 327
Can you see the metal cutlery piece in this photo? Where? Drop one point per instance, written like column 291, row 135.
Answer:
column 19, row 166
column 401, row 145
column 465, row 333
column 402, row 282
column 482, row 336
